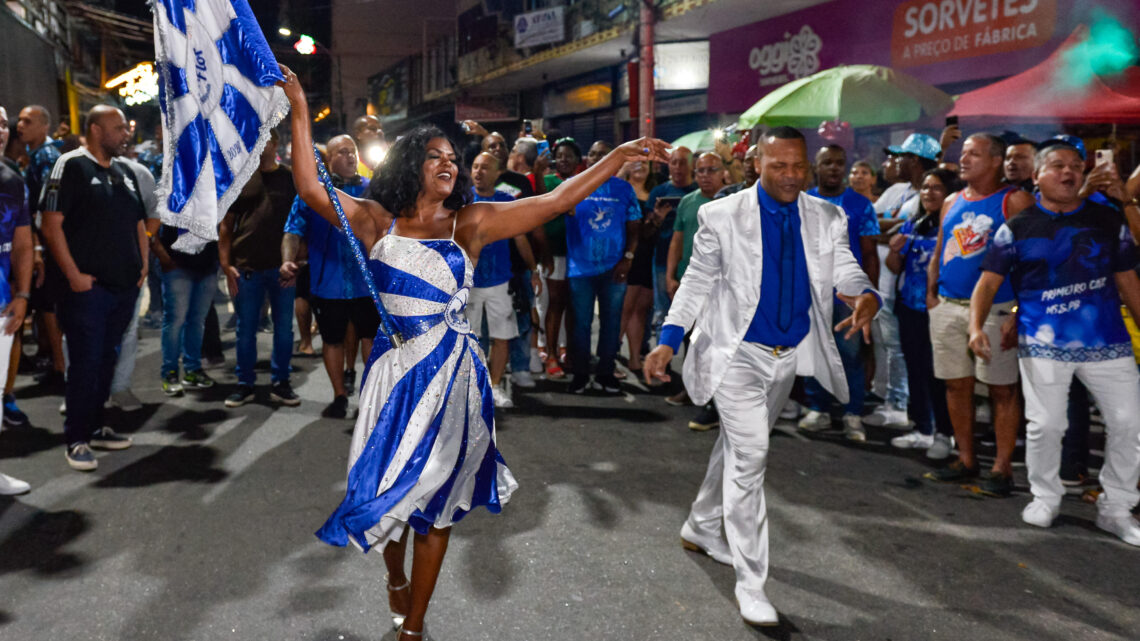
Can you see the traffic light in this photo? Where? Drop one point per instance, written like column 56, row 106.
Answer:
column 305, row 45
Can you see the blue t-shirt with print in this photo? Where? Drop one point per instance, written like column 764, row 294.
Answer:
column 13, row 214
column 333, row 272
column 921, row 241
column 861, row 219
column 494, row 265
column 595, row 234
column 1061, row 267
column 40, row 163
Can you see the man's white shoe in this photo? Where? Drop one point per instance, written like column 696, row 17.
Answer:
column 791, row 411
column 755, row 608
column 522, row 379
column 912, row 440
column 853, row 428
column 12, row 486
column 716, row 548
column 1123, row 526
column 940, row 448
column 815, row 421
column 500, row 396
column 887, row 415
column 1041, row 514
column 126, row 401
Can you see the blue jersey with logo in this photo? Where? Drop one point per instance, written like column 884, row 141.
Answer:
column 861, row 219
column 333, row 272
column 494, row 265
column 40, row 163
column 13, row 214
column 1061, row 268
column 967, row 231
column 921, row 241
column 595, row 234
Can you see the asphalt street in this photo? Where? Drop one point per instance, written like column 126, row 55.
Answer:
column 204, row 531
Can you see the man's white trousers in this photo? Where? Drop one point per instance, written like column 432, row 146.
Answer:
column 1115, row 385
column 731, row 497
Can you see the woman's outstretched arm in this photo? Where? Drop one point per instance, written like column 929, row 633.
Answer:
column 498, row 220
column 360, row 212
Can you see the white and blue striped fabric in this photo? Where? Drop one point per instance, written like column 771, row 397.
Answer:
column 218, row 104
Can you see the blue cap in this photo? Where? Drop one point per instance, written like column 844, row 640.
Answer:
column 1063, row 139
column 918, row 144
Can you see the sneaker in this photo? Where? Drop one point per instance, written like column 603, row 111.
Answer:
column 706, row 419
column 1124, row 526
column 349, row 381
column 953, row 473
column 13, row 417
column 996, row 485
column 63, row 407
column 1076, row 479
column 80, row 457
column 501, row 397
column 109, row 439
column 815, row 421
column 608, row 384
column 126, row 401
column 680, row 399
column 283, row 393
column 887, row 415
column 241, row 396
column 336, row 409
column 523, row 380
column 1039, row 513
column 198, row 379
column 791, row 411
column 853, row 428
column 940, row 448
column 535, row 361
column 10, row 486
column 983, row 413
column 171, row 386
column 579, row 384
column 913, row 440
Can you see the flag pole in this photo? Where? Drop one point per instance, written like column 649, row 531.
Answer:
column 387, row 325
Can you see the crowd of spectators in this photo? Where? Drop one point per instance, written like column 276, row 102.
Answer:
column 989, row 302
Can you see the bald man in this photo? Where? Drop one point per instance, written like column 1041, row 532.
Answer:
column 93, row 223
column 339, row 297
column 368, row 134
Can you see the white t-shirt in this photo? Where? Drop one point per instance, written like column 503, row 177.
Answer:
column 891, row 202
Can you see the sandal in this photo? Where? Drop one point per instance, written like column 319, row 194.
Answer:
column 553, row 370
column 400, row 632
column 397, row 617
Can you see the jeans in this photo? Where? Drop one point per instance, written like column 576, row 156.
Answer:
column 520, row 346
column 584, row 290
column 253, row 287
column 888, row 352
column 154, row 285
column 818, row 398
column 93, row 322
column 125, row 365
column 187, row 297
column 928, row 408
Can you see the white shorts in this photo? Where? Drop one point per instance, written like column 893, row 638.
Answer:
column 558, row 270
column 495, row 304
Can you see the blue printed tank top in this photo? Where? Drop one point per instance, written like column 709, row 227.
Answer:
column 967, row 233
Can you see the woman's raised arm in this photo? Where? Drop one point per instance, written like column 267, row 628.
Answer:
column 305, row 178
column 499, row 220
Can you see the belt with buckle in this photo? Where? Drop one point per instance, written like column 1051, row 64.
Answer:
column 777, row 350
column 961, row 302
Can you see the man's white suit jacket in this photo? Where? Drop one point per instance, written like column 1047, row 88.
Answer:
column 721, row 289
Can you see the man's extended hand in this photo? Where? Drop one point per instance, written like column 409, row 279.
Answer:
column 656, row 363
column 1009, row 333
column 865, row 307
column 980, row 345
column 81, row 283
column 232, row 278
column 288, row 273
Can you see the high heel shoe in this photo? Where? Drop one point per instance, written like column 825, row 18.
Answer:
column 397, row 617
column 400, row 632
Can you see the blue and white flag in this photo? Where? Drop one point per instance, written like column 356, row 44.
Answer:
column 218, row 104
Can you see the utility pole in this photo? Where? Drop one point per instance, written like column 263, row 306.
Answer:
column 646, row 121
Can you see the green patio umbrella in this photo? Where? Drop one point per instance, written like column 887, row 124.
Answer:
column 704, row 140
column 863, row 95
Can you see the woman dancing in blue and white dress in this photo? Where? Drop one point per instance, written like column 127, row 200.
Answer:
column 423, row 452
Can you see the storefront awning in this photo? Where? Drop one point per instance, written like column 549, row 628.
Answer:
column 1054, row 91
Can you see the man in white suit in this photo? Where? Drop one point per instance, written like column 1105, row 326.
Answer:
column 766, row 264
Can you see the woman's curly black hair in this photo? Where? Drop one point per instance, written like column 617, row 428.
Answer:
column 398, row 180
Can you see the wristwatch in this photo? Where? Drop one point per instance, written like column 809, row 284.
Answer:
column 628, row 255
